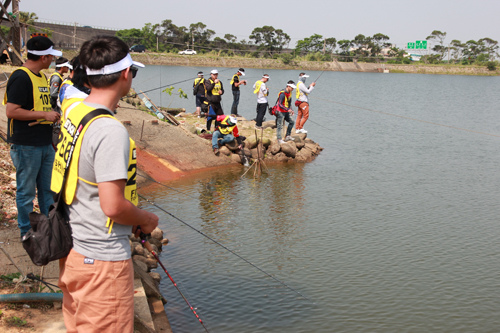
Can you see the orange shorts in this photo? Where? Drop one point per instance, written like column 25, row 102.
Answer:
column 98, row 296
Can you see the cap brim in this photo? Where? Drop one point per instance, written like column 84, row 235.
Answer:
column 55, row 53
column 138, row 64
column 242, row 73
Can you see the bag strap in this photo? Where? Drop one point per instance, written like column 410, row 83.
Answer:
column 88, row 117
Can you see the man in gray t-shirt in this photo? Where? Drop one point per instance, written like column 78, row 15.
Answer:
column 97, row 276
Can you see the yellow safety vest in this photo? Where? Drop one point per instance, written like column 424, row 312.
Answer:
column 226, row 129
column 232, row 79
column 68, row 130
column 56, row 73
column 298, row 93
column 41, row 95
column 197, row 80
column 217, row 88
column 287, row 99
column 258, row 84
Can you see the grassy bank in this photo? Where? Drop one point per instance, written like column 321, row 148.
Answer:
column 169, row 59
column 215, row 61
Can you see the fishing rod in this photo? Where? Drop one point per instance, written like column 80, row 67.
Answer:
column 171, row 84
column 319, row 76
column 225, row 248
column 148, row 246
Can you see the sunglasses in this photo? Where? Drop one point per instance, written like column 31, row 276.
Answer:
column 133, row 70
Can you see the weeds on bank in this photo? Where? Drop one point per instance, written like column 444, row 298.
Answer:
column 16, row 321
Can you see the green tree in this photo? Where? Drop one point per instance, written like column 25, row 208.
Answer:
column 269, row 39
column 330, row 44
column 490, row 47
column 200, row 35
column 377, row 43
column 27, row 20
column 131, row 36
column 345, row 49
column 310, row 44
column 438, row 37
column 230, row 38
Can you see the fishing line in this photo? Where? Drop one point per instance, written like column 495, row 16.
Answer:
column 169, row 187
column 409, row 118
column 171, row 84
column 224, row 247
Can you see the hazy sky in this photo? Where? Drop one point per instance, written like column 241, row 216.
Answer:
column 402, row 21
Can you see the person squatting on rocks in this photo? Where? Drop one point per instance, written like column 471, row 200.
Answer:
column 262, row 92
column 302, row 102
column 226, row 132
column 27, row 100
column 284, row 112
column 199, row 92
column 56, row 79
column 235, row 86
column 214, row 91
column 97, row 277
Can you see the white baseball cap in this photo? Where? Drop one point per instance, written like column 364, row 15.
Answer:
column 116, row 67
column 214, row 71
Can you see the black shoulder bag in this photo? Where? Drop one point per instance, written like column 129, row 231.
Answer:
column 50, row 238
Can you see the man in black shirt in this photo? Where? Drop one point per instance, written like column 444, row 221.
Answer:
column 30, row 119
column 235, row 85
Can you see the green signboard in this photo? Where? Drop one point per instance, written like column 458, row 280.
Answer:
column 411, row 45
column 421, row 44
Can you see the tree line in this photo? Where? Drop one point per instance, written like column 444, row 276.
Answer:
column 268, row 42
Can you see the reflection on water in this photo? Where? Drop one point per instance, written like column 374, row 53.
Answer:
column 393, row 228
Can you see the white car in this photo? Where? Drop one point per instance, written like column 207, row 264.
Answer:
column 188, row 52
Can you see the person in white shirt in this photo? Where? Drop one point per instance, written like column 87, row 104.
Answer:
column 262, row 92
column 302, row 102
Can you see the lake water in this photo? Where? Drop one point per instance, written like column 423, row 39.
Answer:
column 393, row 228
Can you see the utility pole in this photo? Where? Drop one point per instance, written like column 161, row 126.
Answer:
column 16, row 34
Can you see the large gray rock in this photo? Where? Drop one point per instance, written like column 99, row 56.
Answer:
column 225, row 151
column 289, row 149
column 157, row 233
column 304, row 155
column 275, row 147
column 256, row 153
column 299, row 143
column 281, row 157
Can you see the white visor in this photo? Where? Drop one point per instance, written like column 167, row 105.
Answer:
column 116, row 67
column 291, row 85
column 242, row 73
column 48, row 51
column 265, row 77
column 305, row 75
column 66, row 64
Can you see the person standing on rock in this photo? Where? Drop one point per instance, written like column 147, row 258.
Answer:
column 284, row 112
column 97, row 277
column 27, row 101
column 199, row 91
column 302, row 102
column 215, row 90
column 226, row 132
column 262, row 92
column 235, row 86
